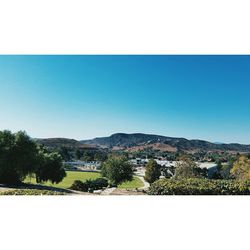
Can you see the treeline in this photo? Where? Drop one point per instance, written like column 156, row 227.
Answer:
column 20, row 156
column 201, row 156
column 83, row 154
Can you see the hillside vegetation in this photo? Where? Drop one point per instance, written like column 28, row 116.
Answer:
column 133, row 140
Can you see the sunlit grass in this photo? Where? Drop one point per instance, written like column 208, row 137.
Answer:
column 135, row 183
column 68, row 180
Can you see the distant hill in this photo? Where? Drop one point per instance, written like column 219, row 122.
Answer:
column 122, row 140
column 63, row 142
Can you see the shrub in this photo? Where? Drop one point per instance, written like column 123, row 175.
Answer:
column 99, row 183
column 90, row 185
column 80, row 186
column 199, row 187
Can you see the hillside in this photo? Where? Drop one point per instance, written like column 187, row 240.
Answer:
column 122, row 140
column 63, row 142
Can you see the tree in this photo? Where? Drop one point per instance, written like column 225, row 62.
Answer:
column 241, row 168
column 21, row 156
column 17, row 156
column 153, row 171
column 100, row 156
column 50, row 167
column 78, row 154
column 65, row 153
column 186, row 167
column 117, row 170
column 217, row 173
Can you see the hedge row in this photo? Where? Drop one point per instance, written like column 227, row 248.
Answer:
column 30, row 192
column 199, row 187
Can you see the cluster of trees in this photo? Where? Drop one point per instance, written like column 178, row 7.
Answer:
column 20, row 156
column 187, row 168
column 202, row 155
column 70, row 153
column 149, row 153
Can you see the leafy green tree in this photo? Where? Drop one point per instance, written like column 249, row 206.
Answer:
column 78, row 154
column 153, row 171
column 186, row 167
column 65, row 153
column 241, row 168
column 117, row 170
column 17, row 156
column 50, row 167
column 21, row 156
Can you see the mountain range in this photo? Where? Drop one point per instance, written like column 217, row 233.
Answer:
column 139, row 141
column 122, row 140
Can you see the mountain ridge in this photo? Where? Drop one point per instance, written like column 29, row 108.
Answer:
column 124, row 140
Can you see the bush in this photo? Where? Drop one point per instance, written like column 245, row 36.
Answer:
column 99, row 183
column 80, row 186
column 199, row 187
column 90, row 185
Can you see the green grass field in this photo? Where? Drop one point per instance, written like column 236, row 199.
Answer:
column 135, row 183
column 69, row 179
column 83, row 176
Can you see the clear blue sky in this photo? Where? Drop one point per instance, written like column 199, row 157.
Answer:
column 197, row 97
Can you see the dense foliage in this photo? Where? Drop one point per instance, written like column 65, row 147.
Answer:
column 199, row 187
column 17, row 156
column 186, row 167
column 21, row 156
column 241, row 168
column 90, row 185
column 83, row 154
column 117, row 170
column 153, row 171
column 79, row 186
column 50, row 167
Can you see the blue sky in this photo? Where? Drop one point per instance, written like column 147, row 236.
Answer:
column 197, row 97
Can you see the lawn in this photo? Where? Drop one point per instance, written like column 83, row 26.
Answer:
column 135, row 183
column 69, row 179
column 83, row 176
